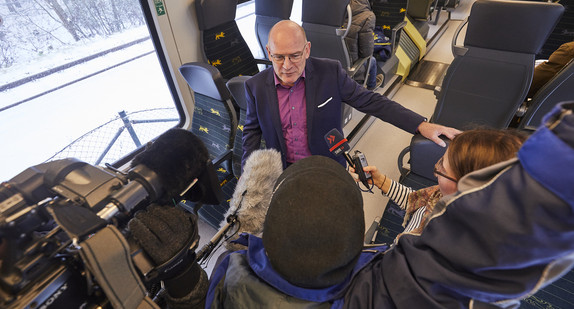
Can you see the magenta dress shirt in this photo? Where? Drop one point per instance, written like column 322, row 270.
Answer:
column 293, row 111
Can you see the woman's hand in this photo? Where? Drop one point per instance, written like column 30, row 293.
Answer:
column 377, row 178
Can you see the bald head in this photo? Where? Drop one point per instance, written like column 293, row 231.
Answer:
column 286, row 30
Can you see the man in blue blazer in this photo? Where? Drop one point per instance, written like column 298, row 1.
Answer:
column 294, row 105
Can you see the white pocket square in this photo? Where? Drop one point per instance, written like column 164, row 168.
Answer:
column 325, row 103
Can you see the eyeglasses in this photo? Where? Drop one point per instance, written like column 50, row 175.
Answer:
column 437, row 172
column 279, row 59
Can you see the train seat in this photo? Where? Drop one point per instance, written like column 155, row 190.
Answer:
column 390, row 17
column 423, row 154
column 562, row 33
column 322, row 20
column 215, row 122
column 490, row 75
column 418, row 173
column 236, row 87
column 267, row 14
column 222, row 43
column 556, row 90
column 412, row 48
column 447, row 5
column 419, row 13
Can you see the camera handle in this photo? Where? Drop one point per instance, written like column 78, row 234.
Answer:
column 107, row 256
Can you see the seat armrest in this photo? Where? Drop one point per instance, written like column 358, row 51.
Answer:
column 424, row 154
column 357, row 65
column 458, row 50
column 224, row 159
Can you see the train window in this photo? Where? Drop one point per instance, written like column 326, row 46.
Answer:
column 78, row 79
column 245, row 19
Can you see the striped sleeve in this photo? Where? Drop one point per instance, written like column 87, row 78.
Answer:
column 399, row 193
column 415, row 220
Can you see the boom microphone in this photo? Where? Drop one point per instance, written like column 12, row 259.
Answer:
column 338, row 144
column 252, row 194
column 166, row 169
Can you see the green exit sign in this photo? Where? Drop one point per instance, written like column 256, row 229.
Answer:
column 159, row 7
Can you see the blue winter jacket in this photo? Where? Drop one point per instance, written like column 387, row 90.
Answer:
column 245, row 279
column 507, row 233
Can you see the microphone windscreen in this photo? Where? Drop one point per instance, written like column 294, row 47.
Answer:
column 253, row 192
column 336, row 142
column 177, row 157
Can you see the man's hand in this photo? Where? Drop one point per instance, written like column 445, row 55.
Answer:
column 432, row 131
column 162, row 231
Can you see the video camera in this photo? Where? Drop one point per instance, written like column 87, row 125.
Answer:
column 49, row 210
column 40, row 265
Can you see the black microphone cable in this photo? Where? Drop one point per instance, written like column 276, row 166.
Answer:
column 368, row 189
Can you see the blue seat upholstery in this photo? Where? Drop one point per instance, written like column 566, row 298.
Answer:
column 215, row 122
column 559, row 294
column 417, row 174
column 222, row 42
column 490, row 75
column 267, row 14
column 556, row 90
column 390, row 17
column 323, row 21
column 562, row 33
column 236, row 86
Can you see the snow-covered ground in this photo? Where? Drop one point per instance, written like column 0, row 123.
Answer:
column 35, row 130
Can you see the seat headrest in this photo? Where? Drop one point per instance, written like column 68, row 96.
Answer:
column 494, row 24
column 274, row 8
column 236, row 86
column 205, row 79
column 211, row 13
column 324, row 12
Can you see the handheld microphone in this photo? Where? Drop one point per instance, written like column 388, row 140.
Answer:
column 338, row 145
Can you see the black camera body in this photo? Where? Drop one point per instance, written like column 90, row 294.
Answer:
column 44, row 212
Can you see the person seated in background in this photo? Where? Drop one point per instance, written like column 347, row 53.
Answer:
column 548, row 69
column 543, row 73
column 467, row 152
column 359, row 40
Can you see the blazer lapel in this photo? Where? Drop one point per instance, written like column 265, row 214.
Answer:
column 311, row 86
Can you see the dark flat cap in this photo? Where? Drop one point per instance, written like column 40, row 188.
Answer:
column 314, row 229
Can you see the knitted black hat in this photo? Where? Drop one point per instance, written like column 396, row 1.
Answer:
column 314, row 229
